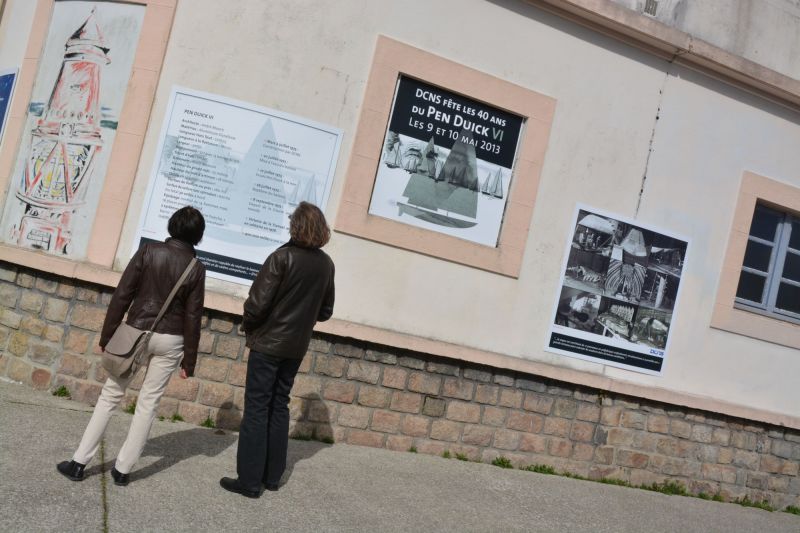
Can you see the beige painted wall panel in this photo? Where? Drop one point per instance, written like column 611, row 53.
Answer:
column 14, row 28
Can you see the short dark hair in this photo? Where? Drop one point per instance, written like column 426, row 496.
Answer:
column 187, row 224
column 308, row 227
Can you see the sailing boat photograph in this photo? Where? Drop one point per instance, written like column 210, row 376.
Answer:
column 619, row 289
column 447, row 179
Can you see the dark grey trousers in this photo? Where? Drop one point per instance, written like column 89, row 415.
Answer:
column 264, row 432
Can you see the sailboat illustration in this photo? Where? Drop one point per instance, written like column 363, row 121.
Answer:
column 428, row 164
column 452, row 194
column 304, row 191
column 493, row 185
column 497, row 190
column 412, row 159
column 392, row 154
column 487, row 183
column 439, row 167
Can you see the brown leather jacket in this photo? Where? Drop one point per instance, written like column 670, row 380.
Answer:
column 145, row 285
column 293, row 291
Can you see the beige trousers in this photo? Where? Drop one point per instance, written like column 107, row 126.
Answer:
column 166, row 353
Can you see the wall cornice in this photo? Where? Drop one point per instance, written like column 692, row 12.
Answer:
column 677, row 46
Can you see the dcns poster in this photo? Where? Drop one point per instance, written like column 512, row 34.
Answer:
column 447, row 163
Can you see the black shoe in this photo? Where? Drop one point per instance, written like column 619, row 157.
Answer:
column 120, row 478
column 271, row 486
column 71, row 470
column 233, row 485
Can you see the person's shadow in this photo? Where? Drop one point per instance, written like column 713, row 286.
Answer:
column 312, row 433
column 172, row 448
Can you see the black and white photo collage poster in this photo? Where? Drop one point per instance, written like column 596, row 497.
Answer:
column 618, row 292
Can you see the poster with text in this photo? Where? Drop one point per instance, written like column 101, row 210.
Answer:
column 618, row 293
column 446, row 163
column 7, row 79
column 246, row 168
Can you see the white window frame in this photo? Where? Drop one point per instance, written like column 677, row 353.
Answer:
column 774, row 275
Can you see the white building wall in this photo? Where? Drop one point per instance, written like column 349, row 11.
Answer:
column 302, row 63
column 301, row 58
column 763, row 31
column 708, row 134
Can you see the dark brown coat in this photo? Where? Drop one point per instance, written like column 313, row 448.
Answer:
column 293, row 291
column 144, row 287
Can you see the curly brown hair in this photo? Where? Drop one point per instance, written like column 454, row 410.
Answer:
column 308, row 227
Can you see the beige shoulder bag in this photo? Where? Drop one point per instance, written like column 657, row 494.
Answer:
column 126, row 351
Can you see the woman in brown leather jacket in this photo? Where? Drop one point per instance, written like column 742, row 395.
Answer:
column 292, row 292
column 142, row 290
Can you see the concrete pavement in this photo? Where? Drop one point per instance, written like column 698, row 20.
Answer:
column 175, row 487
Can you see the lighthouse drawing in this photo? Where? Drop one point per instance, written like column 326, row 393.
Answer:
column 64, row 145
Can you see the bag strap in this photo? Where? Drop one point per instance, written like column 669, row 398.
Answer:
column 174, row 291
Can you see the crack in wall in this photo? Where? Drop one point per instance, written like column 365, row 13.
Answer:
column 667, row 74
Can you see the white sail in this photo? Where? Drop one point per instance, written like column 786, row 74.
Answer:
column 309, row 191
column 486, row 184
column 292, row 199
column 305, row 190
column 497, row 186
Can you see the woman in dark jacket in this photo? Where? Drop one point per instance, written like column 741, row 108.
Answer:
column 292, row 292
column 142, row 290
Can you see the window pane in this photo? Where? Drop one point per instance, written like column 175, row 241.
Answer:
column 751, row 287
column 757, row 256
column 788, row 298
column 765, row 223
column 791, row 267
column 794, row 239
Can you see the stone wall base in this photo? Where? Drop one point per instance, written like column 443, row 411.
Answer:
column 370, row 395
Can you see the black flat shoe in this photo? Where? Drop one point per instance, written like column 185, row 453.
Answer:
column 233, row 485
column 271, row 486
column 120, row 478
column 71, row 470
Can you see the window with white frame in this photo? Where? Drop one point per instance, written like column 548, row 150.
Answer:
column 770, row 279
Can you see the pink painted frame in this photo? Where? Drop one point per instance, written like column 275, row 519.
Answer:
column 125, row 152
column 753, row 189
column 393, row 58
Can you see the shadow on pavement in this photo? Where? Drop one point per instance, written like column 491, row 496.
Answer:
column 172, row 448
column 312, row 426
column 300, row 451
